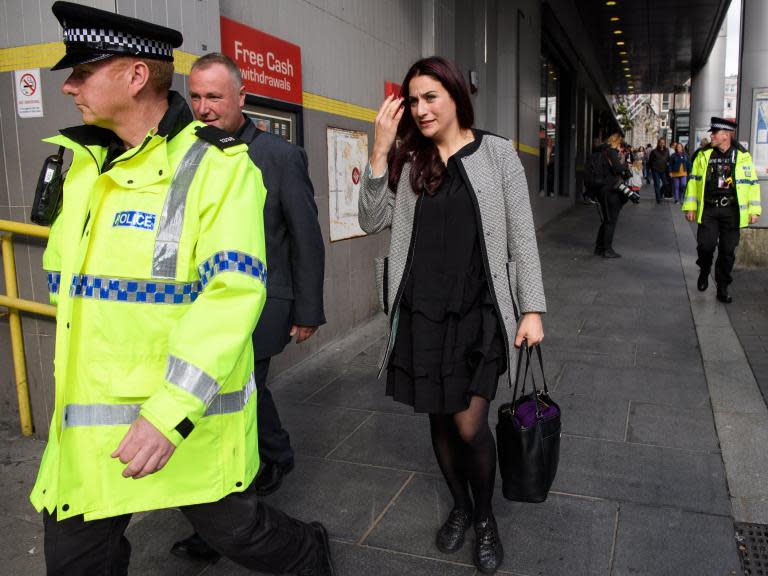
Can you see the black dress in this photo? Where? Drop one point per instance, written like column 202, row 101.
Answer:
column 449, row 344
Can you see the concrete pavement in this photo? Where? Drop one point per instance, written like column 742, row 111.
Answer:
column 648, row 482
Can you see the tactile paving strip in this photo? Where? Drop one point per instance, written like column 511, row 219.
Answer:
column 752, row 541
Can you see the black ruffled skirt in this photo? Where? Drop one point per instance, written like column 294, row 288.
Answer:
column 446, row 353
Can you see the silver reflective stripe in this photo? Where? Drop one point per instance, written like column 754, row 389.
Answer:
column 100, row 414
column 232, row 401
column 693, row 199
column 172, row 218
column 125, row 414
column 191, row 379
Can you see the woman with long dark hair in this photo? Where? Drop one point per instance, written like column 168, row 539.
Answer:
column 462, row 282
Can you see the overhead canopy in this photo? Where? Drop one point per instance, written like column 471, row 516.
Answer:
column 665, row 42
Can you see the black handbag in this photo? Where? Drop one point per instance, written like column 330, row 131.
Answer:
column 528, row 438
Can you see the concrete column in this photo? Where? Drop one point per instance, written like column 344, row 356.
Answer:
column 428, row 43
column 708, row 90
column 753, row 73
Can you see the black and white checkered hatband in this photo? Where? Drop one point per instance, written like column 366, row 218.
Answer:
column 100, row 39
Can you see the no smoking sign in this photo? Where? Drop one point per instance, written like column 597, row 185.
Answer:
column 29, row 102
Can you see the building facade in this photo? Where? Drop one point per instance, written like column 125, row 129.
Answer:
column 537, row 81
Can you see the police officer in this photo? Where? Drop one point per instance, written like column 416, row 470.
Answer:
column 295, row 253
column 723, row 196
column 159, row 252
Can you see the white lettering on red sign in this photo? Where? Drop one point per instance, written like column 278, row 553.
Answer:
column 270, row 66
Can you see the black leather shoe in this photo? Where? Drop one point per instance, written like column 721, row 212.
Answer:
column 271, row 477
column 611, row 253
column 703, row 281
column 450, row 537
column 196, row 548
column 324, row 566
column 722, row 295
column 488, row 554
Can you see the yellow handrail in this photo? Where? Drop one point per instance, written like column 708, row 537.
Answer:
column 16, row 305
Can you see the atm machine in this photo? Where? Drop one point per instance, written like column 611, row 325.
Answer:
column 280, row 118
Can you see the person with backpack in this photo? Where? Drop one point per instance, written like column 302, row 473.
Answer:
column 594, row 172
column 610, row 193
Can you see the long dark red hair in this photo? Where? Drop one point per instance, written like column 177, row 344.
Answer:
column 427, row 169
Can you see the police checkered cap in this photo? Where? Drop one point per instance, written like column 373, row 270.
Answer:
column 91, row 34
column 722, row 124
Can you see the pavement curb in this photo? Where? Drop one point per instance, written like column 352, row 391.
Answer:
column 741, row 415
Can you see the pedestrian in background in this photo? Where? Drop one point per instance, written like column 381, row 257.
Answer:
column 723, row 196
column 679, row 167
column 704, row 145
column 657, row 162
column 458, row 206
column 610, row 197
column 646, row 166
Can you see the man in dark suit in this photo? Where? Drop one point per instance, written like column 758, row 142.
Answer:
column 295, row 257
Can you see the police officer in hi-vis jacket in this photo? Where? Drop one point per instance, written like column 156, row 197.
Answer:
column 157, row 259
column 723, row 196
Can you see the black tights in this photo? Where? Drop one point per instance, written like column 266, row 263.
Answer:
column 466, row 453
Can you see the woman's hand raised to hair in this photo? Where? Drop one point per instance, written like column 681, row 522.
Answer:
column 384, row 132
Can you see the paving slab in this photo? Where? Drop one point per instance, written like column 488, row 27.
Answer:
column 564, row 535
column 672, row 426
column 609, row 384
column 656, row 541
column 347, row 498
column 359, row 388
column 393, row 441
column 643, row 474
column 316, row 430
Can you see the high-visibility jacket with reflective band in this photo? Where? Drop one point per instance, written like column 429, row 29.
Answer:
column 159, row 265
column 747, row 185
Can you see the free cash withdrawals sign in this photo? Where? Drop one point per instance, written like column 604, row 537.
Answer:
column 271, row 67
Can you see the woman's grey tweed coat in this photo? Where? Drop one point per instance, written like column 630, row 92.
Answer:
column 498, row 183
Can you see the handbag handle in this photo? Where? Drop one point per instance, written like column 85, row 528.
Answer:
column 536, row 393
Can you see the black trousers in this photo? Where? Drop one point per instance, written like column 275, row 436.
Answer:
column 238, row 526
column 719, row 228
column 274, row 441
column 611, row 203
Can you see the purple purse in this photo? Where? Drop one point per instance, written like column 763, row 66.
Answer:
column 528, row 438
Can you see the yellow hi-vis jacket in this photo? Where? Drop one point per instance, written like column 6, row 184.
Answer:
column 162, row 280
column 747, row 185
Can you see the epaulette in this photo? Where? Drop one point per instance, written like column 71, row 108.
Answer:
column 218, row 137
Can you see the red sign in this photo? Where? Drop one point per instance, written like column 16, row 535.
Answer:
column 271, row 67
column 391, row 88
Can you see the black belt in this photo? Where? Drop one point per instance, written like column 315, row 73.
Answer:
column 720, row 201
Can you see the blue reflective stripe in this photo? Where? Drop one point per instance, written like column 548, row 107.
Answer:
column 750, row 182
column 232, row 261
column 742, row 206
column 54, row 281
column 695, row 177
column 126, row 290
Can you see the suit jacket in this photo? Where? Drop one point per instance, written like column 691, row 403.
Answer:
column 295, row 249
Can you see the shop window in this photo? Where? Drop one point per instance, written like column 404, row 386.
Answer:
column 548, row 126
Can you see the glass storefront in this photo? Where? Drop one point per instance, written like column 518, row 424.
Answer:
column 548, row 126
